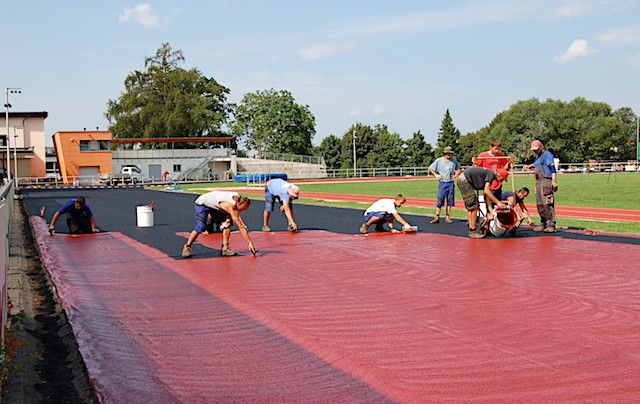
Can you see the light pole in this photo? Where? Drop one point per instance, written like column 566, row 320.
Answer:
column 7, row 91
column 355, row 168
column 15, row 156
column 637, row 140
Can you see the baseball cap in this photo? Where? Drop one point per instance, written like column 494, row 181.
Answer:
column 294, row 191
column 536, row 144
column 503, row 173
column 448, row 150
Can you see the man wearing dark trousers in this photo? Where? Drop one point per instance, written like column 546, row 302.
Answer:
column 546, row 187
column 80, row 218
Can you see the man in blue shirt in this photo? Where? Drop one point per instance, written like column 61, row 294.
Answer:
column 546, row 186
column 285, row 192
column 80, row 218
column 445, row 169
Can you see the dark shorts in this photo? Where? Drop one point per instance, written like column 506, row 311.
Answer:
column 386, row 217
column 497, row 193
column 79, row 224
column 446, row 192
column 469, row 195
column 202, row 218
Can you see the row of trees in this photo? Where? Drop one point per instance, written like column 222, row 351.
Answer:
column 166, row 100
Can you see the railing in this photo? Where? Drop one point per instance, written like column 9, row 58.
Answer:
column 6, row 217
column 203, row 163
column 296, row 158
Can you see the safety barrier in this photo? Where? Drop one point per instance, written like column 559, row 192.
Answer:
column 6, row 216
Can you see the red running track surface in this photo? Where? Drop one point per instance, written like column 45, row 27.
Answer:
column 319, row 316
column 579, row 212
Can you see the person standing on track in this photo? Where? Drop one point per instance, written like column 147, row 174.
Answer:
column 223, row 207
column 546, row 187
column 445, row 169
column 384, row 211
column 494, row 159
column 80, row 219
column 285, row 192
column 475, row 179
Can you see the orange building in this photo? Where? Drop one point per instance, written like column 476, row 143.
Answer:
column 83, row 154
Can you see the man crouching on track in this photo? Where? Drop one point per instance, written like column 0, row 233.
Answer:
column 384, row 211
column 476, row 179
column 223, row 206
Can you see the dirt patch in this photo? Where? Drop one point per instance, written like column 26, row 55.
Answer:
column 59, row 371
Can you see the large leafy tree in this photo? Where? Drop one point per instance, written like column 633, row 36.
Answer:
column 575, row 131
column 418, row 153
column 166, row 100
column 272, row 121
column 448, row 135
column 366, row 139
column 388, row 150
column 331, row 150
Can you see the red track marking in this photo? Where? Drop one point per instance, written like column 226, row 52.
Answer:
column 416, row 318
column 579, row 212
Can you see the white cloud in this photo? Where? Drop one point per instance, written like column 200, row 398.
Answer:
column 572, row 9
column 323, row 51
column 377, row 110
column 630, row 34
column 578, row 49
column 142, row 14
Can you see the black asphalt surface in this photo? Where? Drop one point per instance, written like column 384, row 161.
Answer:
column 115, row 210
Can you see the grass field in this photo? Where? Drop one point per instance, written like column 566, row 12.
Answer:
column 606, row 190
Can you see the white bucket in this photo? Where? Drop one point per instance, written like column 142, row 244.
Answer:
column 145, row 216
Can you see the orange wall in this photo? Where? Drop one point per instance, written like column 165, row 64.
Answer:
column 70, row 158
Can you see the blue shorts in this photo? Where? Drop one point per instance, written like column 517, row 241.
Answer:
column 497, row 193
column 202, row 215
column 446, row 191
column 386, row 217
column 270, row 199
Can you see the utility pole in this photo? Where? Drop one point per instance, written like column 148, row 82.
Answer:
column 8, row 90
column 355, row 168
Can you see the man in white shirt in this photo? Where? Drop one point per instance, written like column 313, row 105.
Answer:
column 384, row 211
column 223, row 206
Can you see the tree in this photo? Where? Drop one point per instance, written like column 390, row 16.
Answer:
column 418, row 153
column 448, row 135
column 271, row 121
column 165, row 100
column 365, row 142
column 388, row 150
column 574, row 131
column 331, row 150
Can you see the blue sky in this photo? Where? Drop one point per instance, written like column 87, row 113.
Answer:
column 401, row 63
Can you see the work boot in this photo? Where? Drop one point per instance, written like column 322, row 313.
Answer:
column 364, row 228
column 291, row 229
column 550, row 229
column 476, row 234
column 448, row 220
column 227, row 252
column 186, row 251
column 266, row 228
column 538, row 228
column 436, row 219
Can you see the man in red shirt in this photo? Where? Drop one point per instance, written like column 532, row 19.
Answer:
column 494, row 159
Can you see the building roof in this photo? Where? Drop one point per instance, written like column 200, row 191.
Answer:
column 35, row 114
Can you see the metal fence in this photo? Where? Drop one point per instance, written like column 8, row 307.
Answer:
column 6, row 217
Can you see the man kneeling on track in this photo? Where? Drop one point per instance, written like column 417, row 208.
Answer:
column 475, row 179
column 518, row 198
column 384, row 211
column 223, row 207
column 80, row 219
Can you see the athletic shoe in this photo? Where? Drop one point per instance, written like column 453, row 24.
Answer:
column 448, row 220
column 266, row 228
column 538, row 228
column 227, row 252
column 436, row 219
column 186, row 251
column 364, row 228
column 549, row 230
column 476, row 234
column 291, row 229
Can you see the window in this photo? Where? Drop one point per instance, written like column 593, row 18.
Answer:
column 104, row 144
column 95, row 145
column 84, row 145
column 177, row 168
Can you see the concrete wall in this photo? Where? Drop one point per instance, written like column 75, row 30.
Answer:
column 30, row 134
column 292, row 169
column 71, row 159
